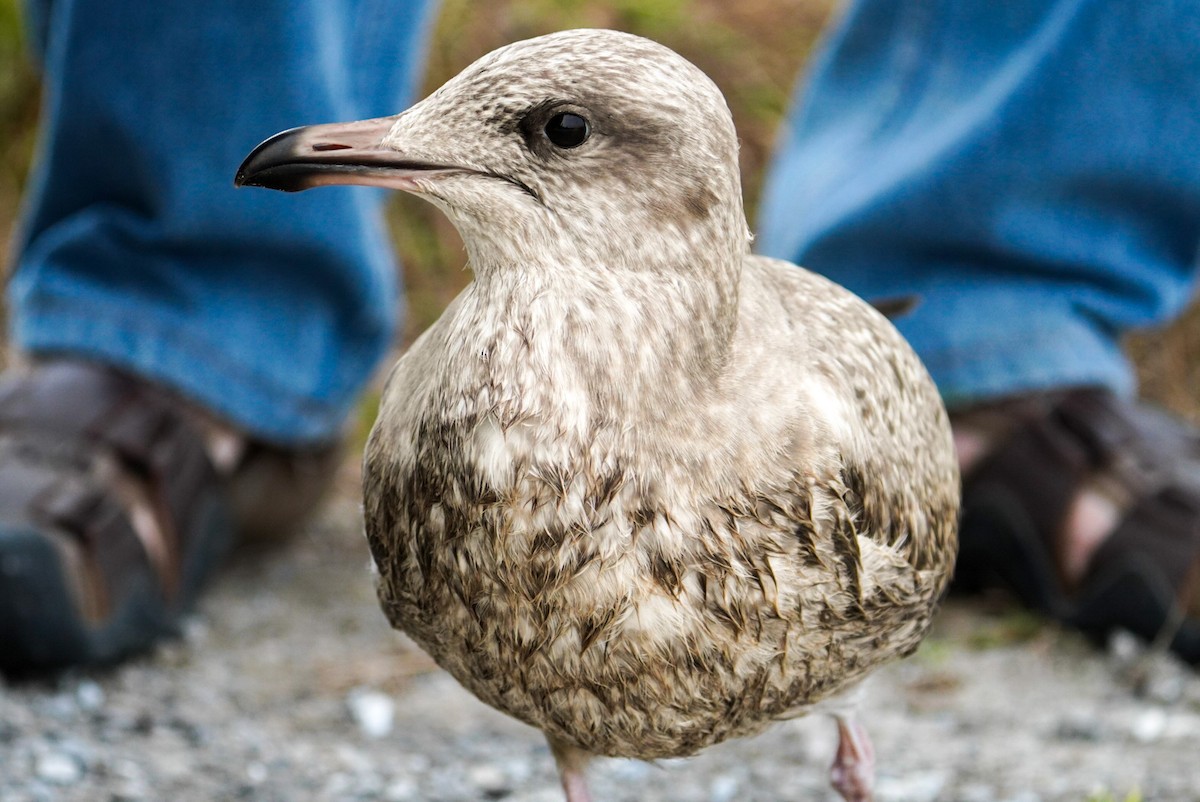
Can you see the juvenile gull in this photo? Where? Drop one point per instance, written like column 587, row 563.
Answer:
column 636, row 487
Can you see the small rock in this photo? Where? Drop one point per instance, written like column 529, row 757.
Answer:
column 1023, row 796
column 921, row 786
column 1149, row 726
column 490, row 779
column 174, row 764
column 256, row 773
column 374, row 712
column 1124, row 647
column 58, row 768
column 367, row 787
column 130, row 789
column 976, row 792
column 414, row 763
column 142, row 724
column 191, row 732
column 354, row 760
column 630, row 771
column 1183, row 726
column 1078, row 727
column 89, row 696
column 34, row 792
column 1165, row 685
column 173, row 654
column 127, row 769
column 195, row 631
column 402, row 789
column 60, row 706
column 519, row 769
column 543, row 795
column 337, row 784
column 724, row 788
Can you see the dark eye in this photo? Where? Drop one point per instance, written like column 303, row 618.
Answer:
column 567, row 130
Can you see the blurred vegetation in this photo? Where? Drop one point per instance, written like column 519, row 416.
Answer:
column 18, row 111
column 1107, row 796
column 753, row 49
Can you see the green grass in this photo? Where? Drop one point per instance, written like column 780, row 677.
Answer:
column 18, row 109
column 1012, row 626
column 1107, row 796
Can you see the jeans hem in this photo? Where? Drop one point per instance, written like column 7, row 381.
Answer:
column 133, row 339
column 1068, row 355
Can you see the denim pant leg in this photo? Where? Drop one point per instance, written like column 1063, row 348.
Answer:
column 136, row 249
column 1030, row 168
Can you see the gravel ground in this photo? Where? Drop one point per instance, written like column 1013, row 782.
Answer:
column 288, row 685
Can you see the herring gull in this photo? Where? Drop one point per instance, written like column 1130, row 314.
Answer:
column 636, row 487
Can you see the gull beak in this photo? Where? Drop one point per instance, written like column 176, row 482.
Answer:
column 337, row 153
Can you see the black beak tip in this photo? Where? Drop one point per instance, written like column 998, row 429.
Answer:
column 268, row 163
column 252, row 178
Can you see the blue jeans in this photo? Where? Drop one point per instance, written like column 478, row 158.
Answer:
column 136, row 249
column 1030, row 168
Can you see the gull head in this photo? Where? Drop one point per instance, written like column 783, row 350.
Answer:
column 591, row 147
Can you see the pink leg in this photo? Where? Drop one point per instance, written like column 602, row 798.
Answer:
column 571, row 764
column 853, row 770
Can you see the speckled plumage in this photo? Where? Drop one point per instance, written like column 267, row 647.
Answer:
column 637, row 487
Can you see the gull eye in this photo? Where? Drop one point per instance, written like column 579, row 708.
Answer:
column 567, row 130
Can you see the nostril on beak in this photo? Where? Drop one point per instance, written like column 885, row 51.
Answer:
column 324, row 146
